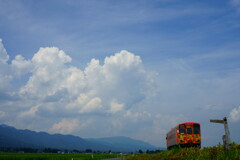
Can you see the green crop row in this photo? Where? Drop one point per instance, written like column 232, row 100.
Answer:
column 54, row 156
column 210, row 153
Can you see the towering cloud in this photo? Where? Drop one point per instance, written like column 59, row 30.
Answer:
column 58, row 95
column 54, row 86
column 48, row 73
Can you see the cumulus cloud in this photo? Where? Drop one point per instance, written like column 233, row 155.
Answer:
column 29, row 113
column 93, row 105
column 121, row 77
column 137, row 116
column 115, row 107
column 54, row 86
column 50, row 56
column 59, row 92
column 120, row 82
column 48, row 73
column 122, row 60
column 21, row 66
column 235, row 114
column 65, row 126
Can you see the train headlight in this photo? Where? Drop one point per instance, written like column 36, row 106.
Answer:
column 181, row 141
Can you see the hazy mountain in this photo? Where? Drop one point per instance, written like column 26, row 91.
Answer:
column 124, row 143
column 11, row 137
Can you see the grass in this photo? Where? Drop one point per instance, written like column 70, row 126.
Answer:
column 54, row 156
column 210, row 153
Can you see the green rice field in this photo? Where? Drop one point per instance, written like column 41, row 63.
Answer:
column 208, row 153
column 55, row 156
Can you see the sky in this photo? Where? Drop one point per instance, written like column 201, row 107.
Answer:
column 120, row 68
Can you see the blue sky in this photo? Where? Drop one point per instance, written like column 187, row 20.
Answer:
column 129, row 68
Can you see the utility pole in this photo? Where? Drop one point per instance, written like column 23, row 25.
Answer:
column 226, row 137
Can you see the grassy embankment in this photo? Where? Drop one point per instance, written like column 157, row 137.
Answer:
column 210, row 153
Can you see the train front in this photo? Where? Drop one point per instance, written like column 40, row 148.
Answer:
column 189, row 135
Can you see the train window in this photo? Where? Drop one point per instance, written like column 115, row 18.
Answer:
column 189, row 130
column 182, row 129
column 196, row 128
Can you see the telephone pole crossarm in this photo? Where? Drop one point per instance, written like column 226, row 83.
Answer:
column 217, row 121
column 226, row 137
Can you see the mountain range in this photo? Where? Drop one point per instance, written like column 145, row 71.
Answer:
column 11, row 137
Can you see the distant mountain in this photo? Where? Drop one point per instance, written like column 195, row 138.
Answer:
column 124, row 143
column 11, row 137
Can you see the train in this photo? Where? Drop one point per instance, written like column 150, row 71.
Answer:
column 187, row 134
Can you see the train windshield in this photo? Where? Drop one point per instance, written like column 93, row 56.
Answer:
column 196, row 128
column 182, row 129
column 189, row 130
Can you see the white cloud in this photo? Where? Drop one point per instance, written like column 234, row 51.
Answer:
column 235, row 114
column 138, row 116
column 58, row 90
column 50, row 56
column 92, row 106
column 2, row 114
column 29, row 113
column 3, row 54
column 21, row 66
column 86, row 103
column 115, row 107
column 75, row 81
column 48, row 73
column 120, row 82
column 5, row 72
column 4, row 80
column 122, row 60
column 65, row 126
column 79, row 102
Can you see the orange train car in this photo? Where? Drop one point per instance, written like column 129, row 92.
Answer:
column 187, row 134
